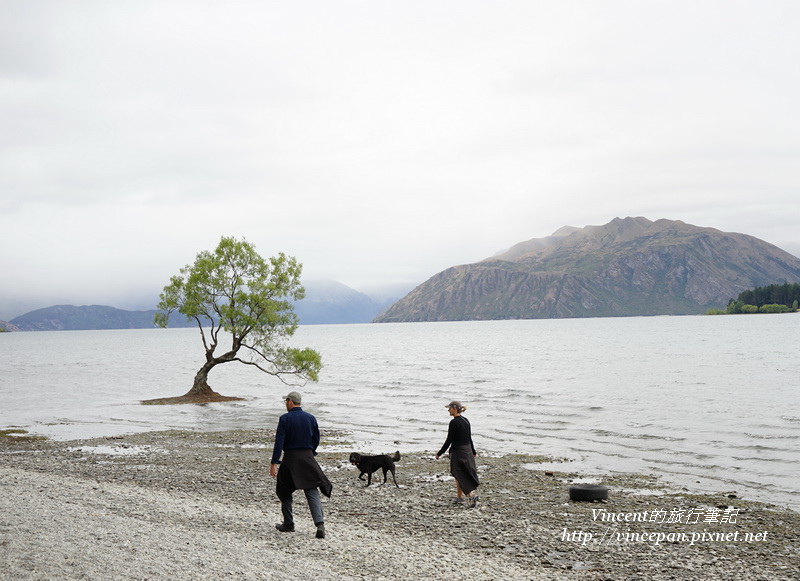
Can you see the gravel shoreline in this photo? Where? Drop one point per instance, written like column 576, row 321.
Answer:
column 200, row 505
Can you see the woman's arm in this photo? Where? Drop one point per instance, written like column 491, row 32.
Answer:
column 448, row 441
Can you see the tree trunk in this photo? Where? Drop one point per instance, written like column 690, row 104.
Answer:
column 201, row 387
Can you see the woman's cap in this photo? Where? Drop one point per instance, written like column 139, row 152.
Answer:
column 454, row 404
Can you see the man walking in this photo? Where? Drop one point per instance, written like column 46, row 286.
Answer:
column 297, row 437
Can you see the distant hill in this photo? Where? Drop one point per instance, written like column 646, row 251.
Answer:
column 630, row 266
column 331, row 302
column 326, row 302
column 6, row 326
column 72, row 318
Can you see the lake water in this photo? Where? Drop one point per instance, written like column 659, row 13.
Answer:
column 710, row 403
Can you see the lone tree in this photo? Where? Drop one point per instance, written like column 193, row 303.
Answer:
column 233, row 293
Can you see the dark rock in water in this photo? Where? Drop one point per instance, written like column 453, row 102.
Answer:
column 588, row 492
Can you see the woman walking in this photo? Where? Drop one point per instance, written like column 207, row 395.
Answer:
column 462, row 455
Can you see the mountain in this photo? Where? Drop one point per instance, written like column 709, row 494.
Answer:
column 6, row 326
column 72, row 318
column 331, row 302
column 630, row 266
column 326, row 301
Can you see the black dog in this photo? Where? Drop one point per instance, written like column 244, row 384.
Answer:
column 369, row 464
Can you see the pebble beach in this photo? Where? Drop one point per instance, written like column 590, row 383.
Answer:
column 201, row 505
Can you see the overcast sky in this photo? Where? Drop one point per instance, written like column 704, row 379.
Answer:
column 379, row 142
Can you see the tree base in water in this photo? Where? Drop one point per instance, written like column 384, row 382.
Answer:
column 211, row 397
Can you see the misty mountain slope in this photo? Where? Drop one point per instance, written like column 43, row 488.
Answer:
column 72, row 318
column 630, row 266
column 331, row 302
column 326, row 301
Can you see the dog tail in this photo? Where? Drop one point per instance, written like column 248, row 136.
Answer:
column 396, row 456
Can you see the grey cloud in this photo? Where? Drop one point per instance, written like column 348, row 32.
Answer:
column 379, row 142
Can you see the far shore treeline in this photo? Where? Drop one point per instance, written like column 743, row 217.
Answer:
column 775, row 298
